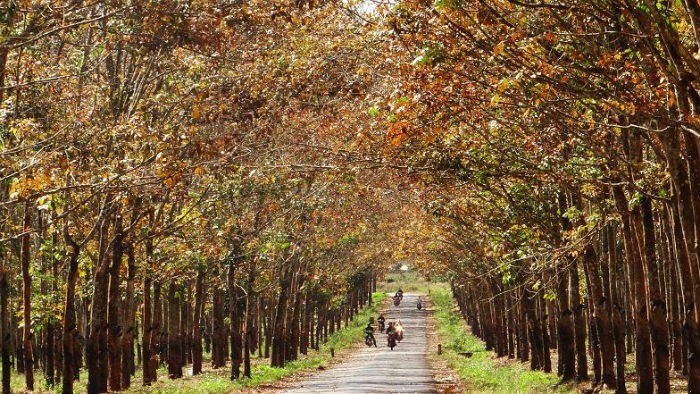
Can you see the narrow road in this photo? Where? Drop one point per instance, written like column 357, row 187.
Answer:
column 403, row 370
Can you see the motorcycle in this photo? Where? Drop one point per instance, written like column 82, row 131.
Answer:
column 369, row 340
column 381, row 326
column 391, row 340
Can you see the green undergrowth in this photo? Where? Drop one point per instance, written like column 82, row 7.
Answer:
column 481, row 371
column 217, row 381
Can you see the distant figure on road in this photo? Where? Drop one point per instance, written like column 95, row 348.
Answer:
column 380, row 322
column 420, row 304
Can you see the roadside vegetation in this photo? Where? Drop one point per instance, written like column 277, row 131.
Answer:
column 218, row 380
column 481, row 371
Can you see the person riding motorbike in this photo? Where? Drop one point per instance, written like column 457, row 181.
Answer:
column 391, row 336
column 420, row 304
column 369, row 335
column 380, row 322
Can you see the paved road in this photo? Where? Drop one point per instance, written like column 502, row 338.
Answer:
column 403, row 370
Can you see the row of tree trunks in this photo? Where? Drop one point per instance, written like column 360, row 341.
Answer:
column 653, row 259
column 171, row 329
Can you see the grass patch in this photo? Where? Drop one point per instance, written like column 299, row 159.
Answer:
column 482, row 372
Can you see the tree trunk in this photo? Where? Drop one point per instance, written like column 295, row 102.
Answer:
column 97, row 338
column 687, row 262
column 279, row 339
column 565, row 331
column 129, row 322
column 659, row 329
column 5, row 327
column 535, row 335
column 174, row 335
column 249, row 327
column 149, row 364
column 565, row 327
column 603, row 345
column 196, row 327
column 25, row 260
column 158, row 343
column 114, row 326
column 579, row 324
column 219, row 343
column 235, row 318
column 295, row 319
column 70, row 327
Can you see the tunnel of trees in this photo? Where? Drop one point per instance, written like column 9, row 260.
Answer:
column 233, row 177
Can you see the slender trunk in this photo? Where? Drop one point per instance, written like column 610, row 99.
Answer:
column 616, row 310
column 114, row 326
column 510, row 321
column 147, row 337
column 25, row 260
column 534, row 334
column 235, row 318
column 659, row 329
column 579, row 324
column 129, row 321
column 642, row 336
column 546, row 359
column 70, row 327
column 279, row 339
column 219, row 343
column 602, row 346
column 157, row 342
column 97, row 338
column 174, row 335
column 5, row 327
column 565, row 327
column 295, row 319
column 196, row 328
column 249, row 328
column 684, row 236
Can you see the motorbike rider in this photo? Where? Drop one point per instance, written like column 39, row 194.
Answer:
column 420, row 303
column 391, row 335
column 369, row 334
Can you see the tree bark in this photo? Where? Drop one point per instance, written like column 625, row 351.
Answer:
column 196, row 327
column 114, row 325
column 149, row 364
column 25, row 260
column 235, row 318
column 70, row 327
column 174, row 335
column 249, row 327
column 128, row 366
column 659, row 328
column 279, row 339
column 219, row 342
column 97, row 338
